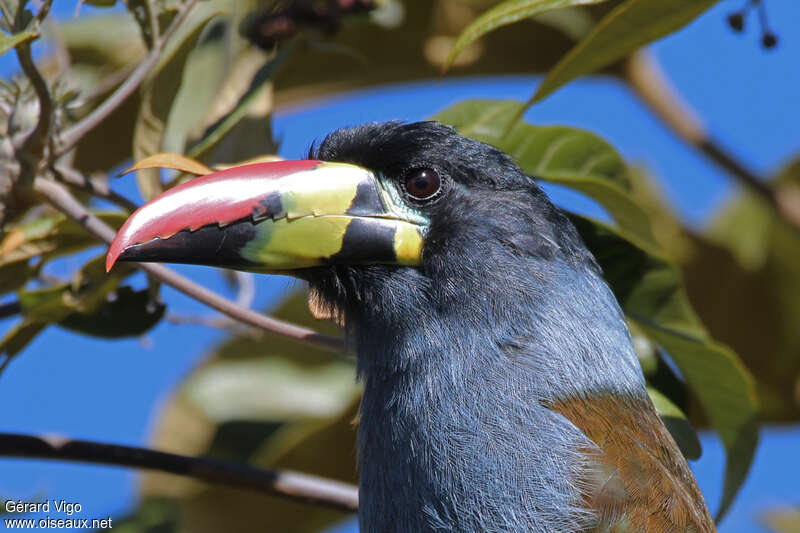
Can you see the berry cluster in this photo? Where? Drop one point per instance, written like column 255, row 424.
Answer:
column 737, row 19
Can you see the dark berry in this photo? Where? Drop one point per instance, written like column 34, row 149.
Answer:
column 736, row 21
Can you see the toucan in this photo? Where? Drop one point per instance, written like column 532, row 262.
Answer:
column 501, row 389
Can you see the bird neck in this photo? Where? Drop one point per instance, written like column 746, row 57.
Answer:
column 455, row 429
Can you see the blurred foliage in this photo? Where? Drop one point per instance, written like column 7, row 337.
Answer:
column 782, row 520
column 210, row 95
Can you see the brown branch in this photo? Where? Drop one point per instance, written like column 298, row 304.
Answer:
column 101, row 189
column 287, row 484
column 70, row 137
column 33, row 147
column 646, row 78
column 61, row 199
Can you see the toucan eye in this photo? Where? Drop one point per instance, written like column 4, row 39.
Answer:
column 423, row 183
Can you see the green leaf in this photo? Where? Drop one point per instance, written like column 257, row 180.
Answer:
column 50, row 237
column 271, row 388
column 503, row 14
column 678, row 425
column 159, row 92
column 14, row 15
column 14, row 276
column 17, row 338
column 748, row 259
column 782, row 519
column 9, row 42
column 567, row 156
column 650, row 291
column 262, row 77
column 629, row 26
column 129, row 313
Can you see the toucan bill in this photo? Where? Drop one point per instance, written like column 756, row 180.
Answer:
column 273, row 217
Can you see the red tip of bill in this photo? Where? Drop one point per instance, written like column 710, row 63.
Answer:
column 219, row 198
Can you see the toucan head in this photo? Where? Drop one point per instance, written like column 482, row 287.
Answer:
column 376, row 212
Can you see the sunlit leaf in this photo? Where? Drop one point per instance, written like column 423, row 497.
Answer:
column 503, row 14
column 49, row 237
column 257, row 85
column 159, row 92
column 7, row 42
column 629, row 26
column 172, row 161
column 271, row 389
column 567, row 156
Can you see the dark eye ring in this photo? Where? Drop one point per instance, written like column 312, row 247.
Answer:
column 423, row 183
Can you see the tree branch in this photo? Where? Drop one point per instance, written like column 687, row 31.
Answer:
column 70, row 137
column 33, row 147
column 287, row 484
column 61, row 199
column 74, row 178
column 651, row 85
column 10, row 309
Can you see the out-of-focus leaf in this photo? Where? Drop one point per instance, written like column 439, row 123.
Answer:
column 87, row 293
column 191, row 424
column 159, row 91
column 325, row 448
column 50, row 237
column 7, row 42
column 18, row 338
column 782, row 520
column 650, row 291
column 629, row 26
column 41, row 240
column 153, row 515
column 567, row 156
column 172, row 161
column 311, row 75
column 129, row 313
column 503, row 14
column 257, row 86
column 574, row 22
column 678, row 425
column 14, row 276
column 271, row 389
column 11, row 11
column 748, row 259
column 88, row 289
column 103, row 49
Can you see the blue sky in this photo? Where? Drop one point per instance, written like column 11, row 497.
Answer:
column 112, row 391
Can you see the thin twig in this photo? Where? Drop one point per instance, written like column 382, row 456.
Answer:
column 650, row 83
column 61, row 199
column 284, row 483
column 71, row 136
column 74, row 178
